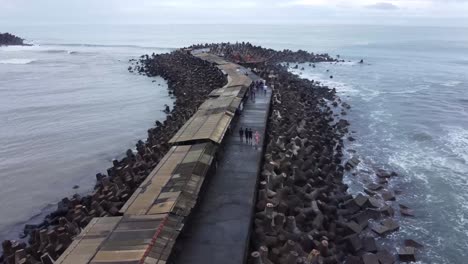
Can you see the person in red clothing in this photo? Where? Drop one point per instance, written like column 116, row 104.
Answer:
column 257, row 139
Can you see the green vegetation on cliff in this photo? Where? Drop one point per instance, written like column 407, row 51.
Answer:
column 10, row 39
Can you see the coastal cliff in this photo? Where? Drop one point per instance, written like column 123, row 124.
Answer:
column 7, row 39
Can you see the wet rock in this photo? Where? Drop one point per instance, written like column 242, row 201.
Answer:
column 369, row 244
column 360, row 200
column 412, row 243
column 407, row 254
column 353, row 243
column 384, row 174
column 352, row 163
column 388, row 196
column 386, row 226
column 353, row 260
column 370, row 258
column 374, row 187
column 407, row 212
column 387, row 210
column 385, row 257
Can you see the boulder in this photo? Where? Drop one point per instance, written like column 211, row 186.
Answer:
column 354, row 227
column 374, row 186
column 407, row 254
column 370, row 258
column 388, row 196
column 369, row 244
column 385, row 257
column 412, row 243
column 406, row 212
column 383, row 173
column 352, row 163
column 386, row 226
column 350, row 259
column 360, row 200
column 353, row 242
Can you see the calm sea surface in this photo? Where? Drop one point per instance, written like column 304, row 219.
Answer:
column 68, row 106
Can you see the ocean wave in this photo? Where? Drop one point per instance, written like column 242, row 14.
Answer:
column 37, row 48
column 55, row 51
column 348, row 63
column 361, row 43
column 17, row 61
column 451, row 83
column 105, row 46
column 339, row 86
column 457, row 141
column 17, row 48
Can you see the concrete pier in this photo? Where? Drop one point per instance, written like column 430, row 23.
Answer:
column 219, row 231
column 197, row 204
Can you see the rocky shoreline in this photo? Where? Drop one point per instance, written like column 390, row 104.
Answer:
column 304, row 213
column 7, row 39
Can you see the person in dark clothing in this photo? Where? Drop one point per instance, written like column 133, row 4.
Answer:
column 241, row 134
column 250, row 135
column 246, row 133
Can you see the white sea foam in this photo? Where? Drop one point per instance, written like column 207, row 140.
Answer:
column 17, row 61
column 451, row 83
column 457, row 141
column 36, row 48
column 340, row 87
column 347, row 63
column 361, row 43
column 411, row 160
column 19, row 48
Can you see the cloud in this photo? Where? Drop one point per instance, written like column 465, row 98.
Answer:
column 229, row 11
column 383, row 6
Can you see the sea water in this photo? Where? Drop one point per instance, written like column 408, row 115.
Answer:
column 68, row 107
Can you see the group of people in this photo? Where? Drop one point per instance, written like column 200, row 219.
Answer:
column 249, row 136
column 257, row 87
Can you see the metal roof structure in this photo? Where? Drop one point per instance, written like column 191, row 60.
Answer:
column 204, row 125
column 213, row 117
column 86, row 244
column 236, row 75
column 179, row 174
column 153, row 217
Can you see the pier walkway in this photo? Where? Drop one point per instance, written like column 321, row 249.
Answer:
column 219, row 231
column 197, row 204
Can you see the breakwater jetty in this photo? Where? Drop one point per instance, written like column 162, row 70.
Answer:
column 163, row 206
column 196, row 193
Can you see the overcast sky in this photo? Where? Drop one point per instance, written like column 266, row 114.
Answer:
column 403, row 12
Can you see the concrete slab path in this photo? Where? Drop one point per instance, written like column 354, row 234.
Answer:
column 219, row 231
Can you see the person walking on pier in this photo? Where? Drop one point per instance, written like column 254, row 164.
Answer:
column 257, row 139
column 241, row 134
column 246, row 133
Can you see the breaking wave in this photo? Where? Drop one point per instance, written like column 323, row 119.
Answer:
column 17, row 61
